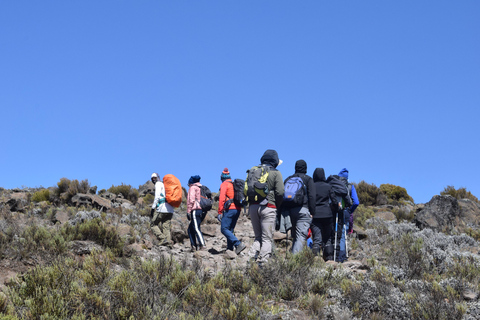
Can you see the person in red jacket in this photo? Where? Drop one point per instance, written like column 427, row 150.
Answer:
column 228, row 212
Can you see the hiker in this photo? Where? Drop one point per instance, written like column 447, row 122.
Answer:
column 299, row 202
column 228, row 212
column 195, row 214
column 347, row 214
column 161, row 213
column 322, row 223
column 264, row 192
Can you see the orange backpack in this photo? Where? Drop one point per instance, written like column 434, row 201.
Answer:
column 173, row 190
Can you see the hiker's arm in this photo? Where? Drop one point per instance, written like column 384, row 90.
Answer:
column 279, row 189
column 222, row 198
column 356, row 202
column 311, row 195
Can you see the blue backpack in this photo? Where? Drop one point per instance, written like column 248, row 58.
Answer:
column 295, row 191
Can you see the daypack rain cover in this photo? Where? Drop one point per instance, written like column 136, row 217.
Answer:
column 173, row 190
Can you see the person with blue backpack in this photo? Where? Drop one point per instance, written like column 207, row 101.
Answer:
column 348, row 210
column 229, row 211
column 299, row 202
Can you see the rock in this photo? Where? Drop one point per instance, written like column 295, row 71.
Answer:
column 128, row 205
column 277, row 236
column 210, row 230
column 92, row 190
column 386, row 215
column 84, row 247
column 229, row 254
column 470, row 295
column 361, row 234
column 439, row 214
column 18, row 202
column 147, row 188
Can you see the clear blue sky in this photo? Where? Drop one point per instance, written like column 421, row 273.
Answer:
column 111, row 91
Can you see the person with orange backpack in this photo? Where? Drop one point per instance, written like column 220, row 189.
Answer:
column 161, row 213
column 229, row 211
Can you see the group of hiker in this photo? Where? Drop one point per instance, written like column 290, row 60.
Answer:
column 320, row 206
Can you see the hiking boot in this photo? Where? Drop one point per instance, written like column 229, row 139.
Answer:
column 202, row 248
column 240, row 248
column 193, row 249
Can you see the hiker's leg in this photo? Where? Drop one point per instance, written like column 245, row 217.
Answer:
column 253, row 211
column 197, row 218
column 301, row 228
column 154, row 225
column 229, row 220
column 267, row 221
column 164, row 227
column 342, row 253
column 316, row 236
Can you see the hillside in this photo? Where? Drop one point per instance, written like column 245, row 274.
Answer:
column 70, row 252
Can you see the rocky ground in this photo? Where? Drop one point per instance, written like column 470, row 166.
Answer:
column 444, row 219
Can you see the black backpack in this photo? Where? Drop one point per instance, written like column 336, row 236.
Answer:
column 205, row 198
column 238, row 195
column 338, row 187
column 348, row 198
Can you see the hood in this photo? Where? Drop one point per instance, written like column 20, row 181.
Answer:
column 343, row 173
column 319, row 175
column 270, row 157
column 301, row 166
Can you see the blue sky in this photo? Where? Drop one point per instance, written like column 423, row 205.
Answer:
column 111, row 91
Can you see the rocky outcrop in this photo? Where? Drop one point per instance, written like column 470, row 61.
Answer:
column 447, row 214
column 97, row 202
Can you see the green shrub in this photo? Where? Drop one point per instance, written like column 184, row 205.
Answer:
column 126, row 191
column 461, row 193
column 362, row 214
column 42, row 195
column 395, row 193
column 367, row 193
column 95, row 230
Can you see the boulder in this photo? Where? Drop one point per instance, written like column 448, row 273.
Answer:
column 18, row 202
column 386, row 215
column 81, row 199
column 439, row 214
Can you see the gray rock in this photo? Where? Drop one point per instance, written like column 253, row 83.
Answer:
column 439, row 214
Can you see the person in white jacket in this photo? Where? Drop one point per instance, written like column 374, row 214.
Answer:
column 162, row 213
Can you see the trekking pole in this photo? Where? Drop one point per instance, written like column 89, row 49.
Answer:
column 335, row 246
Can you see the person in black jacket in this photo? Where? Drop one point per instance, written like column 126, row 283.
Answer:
column 322, row 223
column 302, row 210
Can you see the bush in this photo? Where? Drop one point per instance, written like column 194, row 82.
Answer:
column 461, row 193
column 42, row 195
column 395, row 194
column 126, row 191
column 362, row 214
column 66, row 188
column 367, row 193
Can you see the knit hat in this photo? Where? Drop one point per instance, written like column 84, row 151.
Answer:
column 194, row 179
column 225, row 175
column 343, row 173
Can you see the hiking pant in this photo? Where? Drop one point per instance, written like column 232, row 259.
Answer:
column 228, row 223
column 301, row 220
column 194, row 232
column 160, row 225
column 322, row 237
column 263, row 223
column 342, row 228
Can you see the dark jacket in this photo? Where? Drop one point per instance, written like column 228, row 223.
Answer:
column 324, row 195
column 275, row 180
column 309, row 198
